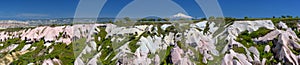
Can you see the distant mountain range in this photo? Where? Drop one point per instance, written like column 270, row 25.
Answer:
column 60, row 21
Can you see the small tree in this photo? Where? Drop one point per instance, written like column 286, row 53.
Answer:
column 159, row 19
column 202, row 19
column 144, row 19
column 110, row 21
column 211, row 18
column 289, row 16
column 297, row 17
column 166, row 19
column 246, row 17
column 127, row 22
column 283, row 16
column 127, row 19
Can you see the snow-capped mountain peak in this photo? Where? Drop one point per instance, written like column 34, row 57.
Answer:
column 181, row 15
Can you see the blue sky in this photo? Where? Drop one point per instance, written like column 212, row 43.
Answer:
column 26, row 9
column 11, row 9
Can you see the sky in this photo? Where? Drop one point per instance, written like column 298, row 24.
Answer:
column 35, row 9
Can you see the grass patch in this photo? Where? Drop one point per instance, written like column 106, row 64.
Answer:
column 10, row 42
column 260, row 32
column 15, row 29
column 239, row 50
column 166, row 60
column 79, row 46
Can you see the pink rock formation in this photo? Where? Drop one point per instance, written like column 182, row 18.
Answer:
column 176, row 55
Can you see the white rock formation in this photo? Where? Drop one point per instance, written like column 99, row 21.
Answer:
column 52, row 62
column 194, row 41
column 229, row 59
column 267, row 48
column 282, row 25
column 233, row 31
column 176, row 55
column 287, row 41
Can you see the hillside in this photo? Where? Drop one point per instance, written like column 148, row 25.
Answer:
column 247, row 42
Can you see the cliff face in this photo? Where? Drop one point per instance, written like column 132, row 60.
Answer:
column 241, row 43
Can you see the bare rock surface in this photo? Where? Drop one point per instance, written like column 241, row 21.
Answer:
column 151, row 44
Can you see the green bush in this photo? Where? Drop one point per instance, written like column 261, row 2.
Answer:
column 15, row 29
column 260, row 32
column 10, row 42
column 239, row 49
column 166, row 60
column 170, row 29
column 206, row 29
column 245, row 39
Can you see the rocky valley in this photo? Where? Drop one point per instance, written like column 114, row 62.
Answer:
column 247, row 42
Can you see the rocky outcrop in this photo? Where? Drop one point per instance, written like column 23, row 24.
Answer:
column 232, row 32
column 153, row 44
column 287, row 41
column 52, row 62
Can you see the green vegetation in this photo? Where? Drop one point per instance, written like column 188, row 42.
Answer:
column 21, row 45
column 245, row 38
column 151, row 56
column 246, row 17
column 163, row 32
column 153, row 19
column 159, row 30
column 106, row 50
column 206, row 29
column 265, row 54
column 133, row 41
column 78, row 46
column 10, row 42
column 102, row 34
column 60, row 35
column 66, row 55
column 290, row 20
column 151, row 23
column 125, row 22
column 297, row 33
column 166, row 60
column 61, row 51
column 57, row 24
column 239, row 49
column 260, row 32
column 132, row 45
column 261, row 46
column 296, row 51
column 15, row 29
column 229, row 20
column 198, row 57
column 170, row 29
column 180, row 45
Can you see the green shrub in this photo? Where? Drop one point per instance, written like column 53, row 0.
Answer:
column 166, row 60
column 260, row 32
column 170, row 29
column 61, row 51
column 245, row 39
column 239, row 49
column 15, row 29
